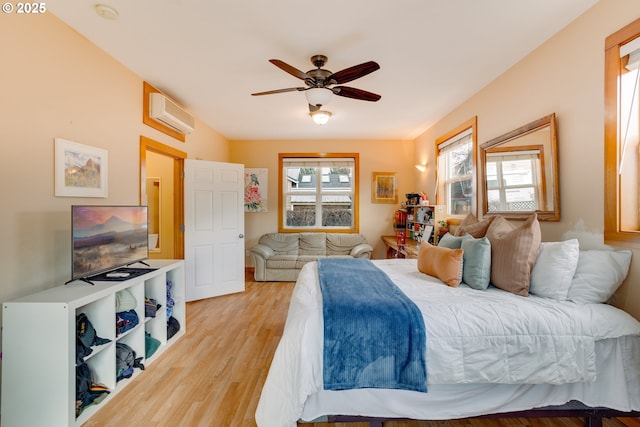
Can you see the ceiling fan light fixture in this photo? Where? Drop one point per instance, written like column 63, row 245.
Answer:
column 318, row 96
column 320, row 117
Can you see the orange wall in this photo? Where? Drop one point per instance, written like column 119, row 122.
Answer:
column 55, row 83
column 565, row 76
column 375, row 156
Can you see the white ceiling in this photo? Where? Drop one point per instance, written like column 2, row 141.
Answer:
column 211, row 55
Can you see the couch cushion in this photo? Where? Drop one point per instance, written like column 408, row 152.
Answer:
column 282, row 261
column 281, row 243
column 312, row 244
column 342, row 243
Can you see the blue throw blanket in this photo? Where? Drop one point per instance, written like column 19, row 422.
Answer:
column 374, row 335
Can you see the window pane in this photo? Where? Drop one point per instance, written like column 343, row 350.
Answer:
column 629, row 126
column 493, row 201
column 460, row 197
column 460, row 161
column 302, row 212
column 337, row 216
column 517, row 172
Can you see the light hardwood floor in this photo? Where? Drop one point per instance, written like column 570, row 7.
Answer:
column 214, row 375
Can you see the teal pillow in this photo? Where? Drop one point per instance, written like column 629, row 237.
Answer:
column 476, row 266
column 450, row 241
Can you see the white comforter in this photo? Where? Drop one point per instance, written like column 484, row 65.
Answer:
column 472, row 337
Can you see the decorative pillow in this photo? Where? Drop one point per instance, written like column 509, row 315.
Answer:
column 554, row 268
column 513, row 253
column 450, row 241
column 476, row 266
column 598, row 275
column 443, row 263
column 471, row 225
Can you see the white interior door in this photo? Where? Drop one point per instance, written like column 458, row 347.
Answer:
column 213, row 229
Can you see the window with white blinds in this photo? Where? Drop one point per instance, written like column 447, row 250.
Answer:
column 456, row 170
column 318, row 192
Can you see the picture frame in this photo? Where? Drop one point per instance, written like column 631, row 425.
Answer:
column 384, row 187
column 256, row 189
column 80, row 170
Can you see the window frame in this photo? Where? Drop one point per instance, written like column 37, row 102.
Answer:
column 472, row 126
column 614, row 68
column 534, row 156
column 282, row 157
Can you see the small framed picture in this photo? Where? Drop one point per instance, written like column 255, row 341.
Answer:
column 80, row 170
column 384, row 187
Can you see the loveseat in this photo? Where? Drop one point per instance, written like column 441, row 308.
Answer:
column 278, row 257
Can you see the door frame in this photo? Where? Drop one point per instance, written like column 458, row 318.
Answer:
column 148, row 144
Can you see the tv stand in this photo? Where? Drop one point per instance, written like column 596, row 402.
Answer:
column 39, row 338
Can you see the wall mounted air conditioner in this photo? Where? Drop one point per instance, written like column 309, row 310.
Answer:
column 167, row 112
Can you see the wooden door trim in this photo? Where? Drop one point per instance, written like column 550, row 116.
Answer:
column 147, row 144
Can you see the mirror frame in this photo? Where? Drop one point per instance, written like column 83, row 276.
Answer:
column 547, row 215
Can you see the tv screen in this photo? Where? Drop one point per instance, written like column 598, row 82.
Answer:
column 107, row 237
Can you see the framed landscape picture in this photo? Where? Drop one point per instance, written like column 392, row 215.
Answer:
column 80, row 170
column 384, row 187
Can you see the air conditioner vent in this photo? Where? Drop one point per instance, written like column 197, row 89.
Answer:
column 167, row 112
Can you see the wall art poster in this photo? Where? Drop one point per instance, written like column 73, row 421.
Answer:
column 384, row 187
column 80, row 170
column 255, row 189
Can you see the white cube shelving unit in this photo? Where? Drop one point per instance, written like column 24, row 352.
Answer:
column 39, row 343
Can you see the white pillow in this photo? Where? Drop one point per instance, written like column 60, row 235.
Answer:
column 598, row 275
column 554, row 268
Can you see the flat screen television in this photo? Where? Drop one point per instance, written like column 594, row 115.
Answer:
column 105, row 238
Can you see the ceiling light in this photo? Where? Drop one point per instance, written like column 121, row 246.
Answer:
column 318, row 96
column 106, row 12
column 320, row 117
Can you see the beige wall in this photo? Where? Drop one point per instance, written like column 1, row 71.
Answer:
column 375, row 156
column 565, row 76
column 58, row 84
column 55, row 83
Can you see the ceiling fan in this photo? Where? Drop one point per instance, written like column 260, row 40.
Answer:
column 320, row 83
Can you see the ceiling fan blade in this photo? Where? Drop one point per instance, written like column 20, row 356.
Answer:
column 355, row 72
column 289, row 69
column 269, row 92
column 351, row 92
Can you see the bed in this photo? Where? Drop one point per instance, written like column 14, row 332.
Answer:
column 489, row 353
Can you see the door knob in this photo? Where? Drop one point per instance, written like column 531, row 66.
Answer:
column 241, row 236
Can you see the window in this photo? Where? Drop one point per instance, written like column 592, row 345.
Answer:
column 512, row 180
column 621, row 144
column 456, row 171
column 318, row 192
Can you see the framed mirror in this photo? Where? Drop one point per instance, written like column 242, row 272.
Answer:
column 520, row 172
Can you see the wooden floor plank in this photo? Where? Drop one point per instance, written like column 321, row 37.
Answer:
column 214, row 375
